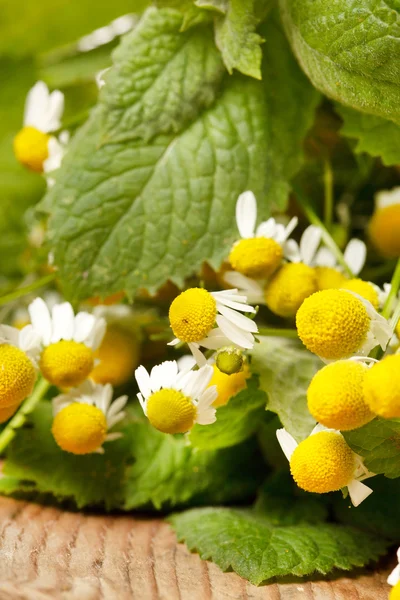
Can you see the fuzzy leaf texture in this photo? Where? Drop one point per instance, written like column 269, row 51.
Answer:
column 350, row 50
column 258, row 550
column 285, row 370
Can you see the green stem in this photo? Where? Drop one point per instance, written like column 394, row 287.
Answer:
column 278, row 332
column 326, row 236
column 19, row 418
column 328, row 191
column 23, row 291
column 395, row 285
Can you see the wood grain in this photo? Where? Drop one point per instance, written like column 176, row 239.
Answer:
column 46, row 553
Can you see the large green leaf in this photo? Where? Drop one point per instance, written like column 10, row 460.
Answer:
column 286, row 369
column 350, row 49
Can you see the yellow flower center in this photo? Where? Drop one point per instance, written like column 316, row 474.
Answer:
column 289, row 287
column 66, row 363
column 170, row 411
column 322, row 463
column 118, row 355
column 256, row 257
column 336, row 396
column 329, row 278
column 395, row 592
column 384, row 230
column 192, row 314
column 31, row 148
column 18, row 375
column 333, row 324
column 381, row 388
column 79, row 428
column 228, row 385
column 7, row 412
column 365, row 289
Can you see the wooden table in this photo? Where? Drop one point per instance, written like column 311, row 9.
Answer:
column 47, row 553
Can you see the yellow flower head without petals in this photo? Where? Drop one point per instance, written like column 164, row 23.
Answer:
column 332, row 323
column 289, row 287
column 256, row 257
column 192, row 314
column 329, row 278
column 8, row 411
column 384, row 230
column 18, row 376
column 79, row 428
column 66, row 363
column 170, row 411
column 31, row 148
column 336, row 396
column 365, row 289
column 118, row 355
column 322, row 463
column 228, row 385
column 395, row 592
column 381, row 387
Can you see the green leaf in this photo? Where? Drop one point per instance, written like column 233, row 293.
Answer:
column 257, row 550
column 374, row 135
column 378, row 443
column 236, row 421
column 285, row 370
column 268, row 442
column 349, row 50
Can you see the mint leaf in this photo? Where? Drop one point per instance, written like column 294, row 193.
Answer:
column 374, row 135
column 349, row 50
column 236, row 421
column 257, row 550
column 286, row 369
column 378, row 443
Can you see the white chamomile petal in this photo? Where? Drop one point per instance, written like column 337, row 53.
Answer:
column 206, row 413
column 143, row 380
column 249, row 287
column 63, row 322
column 325, row 258
column 41, row 320
column 386, row 198
column 291, row 251
column 358, row 492
column 394, row 576
column 355, row 255
column 238, row 319
column 246, row 214
column 267, row 229
column 36, row 99
column 236, row 334
column 286, row 442
column 310, row 240
column 197, row 354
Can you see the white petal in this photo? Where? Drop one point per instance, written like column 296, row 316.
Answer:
column 251, row 288
column 239, row 337
column 163, row 375
column 325, row 258
column 387, row 197
column 63, row 322
column 36, row 105
column 286, row 442
column 41, row 320
column 198, row 382
column 246, row 214
column 117, row 405
column 199, row 356
column 291, row 251
column 358, row 492
column 206, row 413
column 234, row 300
column 55, row 109
column 215, row 340
column 290, row 227
column 113, row 420
column 98, row 332
column 319, row 427
column 11, row 335
column 143, row 380
column 267, row 229
column 116, row 435
column 143, row 403
column 29, row 341
column 83, row 326
column 355, row 255
column 185, row 363
column 310, row 240
column 174, row 342
column 394, row 576
column 238, row 319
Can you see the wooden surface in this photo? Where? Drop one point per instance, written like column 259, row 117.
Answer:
column 46, row 553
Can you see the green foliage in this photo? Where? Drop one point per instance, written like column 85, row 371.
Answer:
column 285, row 370
column 378, row 443
column 236, row 421
column 349, row 50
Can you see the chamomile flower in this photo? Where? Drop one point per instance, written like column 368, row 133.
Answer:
column 381, row 387
column 394, row 580
column 211, row 320
column 84, row 415
column 384, row 226
column 260, row 251
column 43, row 112
column 336, row 324
column 174, row 400
column 68, row 342
column 324, row 463
column 289, row 287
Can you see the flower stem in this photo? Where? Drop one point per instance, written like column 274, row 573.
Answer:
column 278, row 332
column 395, row 285
column 23, row 291
column 328, row 193
column 19, row 418
column 326, row 236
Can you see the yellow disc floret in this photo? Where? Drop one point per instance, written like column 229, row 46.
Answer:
column 329, row 278
column 66, row 363
column 256, row 257
column 322, row 463
column 171, row 411
column 8, row 411
column 333, row 324
column 79, row 428
column 192, row 314
column 289, row 287
column 228, row 385
column 18, row 375
column 336, row 396
column 395, row 592
column 381, row 387
column 384, row 230
column 365, row 289
column 118, row 355
column 31, row 148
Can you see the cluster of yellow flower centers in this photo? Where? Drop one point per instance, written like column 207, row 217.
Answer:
column 365, row 289
column 228, row 385
column 384, row 230
column 192, row 314
column 329, row 278
column 66, row 363
column 289, row 287
column 336, row 396
column 31, row 148
column 256, row 257
column 79, row 428
column 395, row 592
column 170, row 411
column 322, row 463
column 332, row 324
column 381, row 388
column 18, row 377
column 118, row 355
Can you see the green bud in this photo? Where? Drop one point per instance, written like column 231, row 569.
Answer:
column 229, row 360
